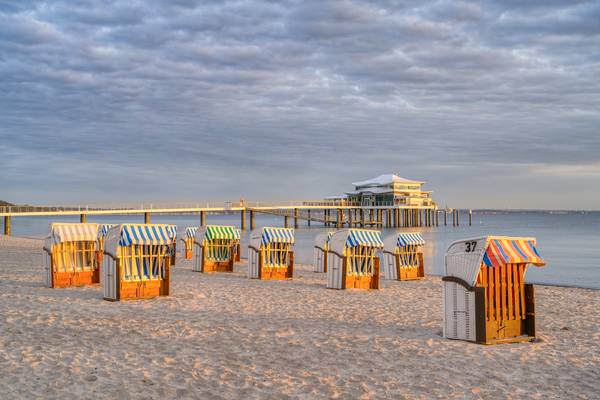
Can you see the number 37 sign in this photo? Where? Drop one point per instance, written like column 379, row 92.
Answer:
column 470, row 246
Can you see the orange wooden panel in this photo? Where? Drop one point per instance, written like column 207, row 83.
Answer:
column 516, row 295
column 522, row 290
column 509, row 291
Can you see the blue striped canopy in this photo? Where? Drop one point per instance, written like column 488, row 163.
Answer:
column 363, row 237
column 104, row 229
column 147, row 234
column 277, row 235
column 410, row 239
column 190, row 231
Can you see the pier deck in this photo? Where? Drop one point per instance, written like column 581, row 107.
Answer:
column 326, row 213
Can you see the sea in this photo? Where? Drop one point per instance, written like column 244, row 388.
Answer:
column 569, row 241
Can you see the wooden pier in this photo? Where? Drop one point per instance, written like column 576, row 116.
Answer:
column 329, row 214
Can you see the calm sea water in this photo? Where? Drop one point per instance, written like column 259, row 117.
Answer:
column 570, row 242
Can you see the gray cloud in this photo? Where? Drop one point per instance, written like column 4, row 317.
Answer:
column 184, row 100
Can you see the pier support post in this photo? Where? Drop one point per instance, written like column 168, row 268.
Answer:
column 83, row 218
column 470, row 217
column 457, row 217
column 146, row 217
column 350, row 220
column 251, row 219
column 445, row 217
column 243, row 220
column 202, row 218
column 340, row 216
column 308, row 217
column 295, row 218
column 286, row 221
column 362, row 218
column 7, row 225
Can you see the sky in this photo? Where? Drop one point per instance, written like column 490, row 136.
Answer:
column 495, row 104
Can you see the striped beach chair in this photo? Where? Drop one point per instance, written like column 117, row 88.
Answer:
column 70, row 255
column 353, row 260
column 187, row 240
column 486, row 299
column 102, row 231
column 320, row 251
column 137, row 262
column 270, row 253
column 403, row 257
column 215, row 248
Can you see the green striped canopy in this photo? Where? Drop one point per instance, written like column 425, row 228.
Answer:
column 214, row 232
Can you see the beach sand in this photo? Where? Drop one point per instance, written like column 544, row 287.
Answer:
column 225, row 336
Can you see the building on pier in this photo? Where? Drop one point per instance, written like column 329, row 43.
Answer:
column 390, row 190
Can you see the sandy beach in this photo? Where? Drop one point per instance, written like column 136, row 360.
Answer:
column 225, row 336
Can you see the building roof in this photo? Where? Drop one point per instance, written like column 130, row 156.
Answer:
column 338, row 197
column 386, row 179
column 373, row 190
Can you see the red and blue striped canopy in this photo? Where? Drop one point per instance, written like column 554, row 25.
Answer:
column 512, row 251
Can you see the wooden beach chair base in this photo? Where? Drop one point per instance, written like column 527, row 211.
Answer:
column 143, row 290
column 209, row 266
column 360, row 282
column 274, row 273
column 189, row 254
column 71, row 279
column 366, row 282
column 507, row 331
column 410, row 273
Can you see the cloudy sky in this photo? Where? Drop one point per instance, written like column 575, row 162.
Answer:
column 494, row 104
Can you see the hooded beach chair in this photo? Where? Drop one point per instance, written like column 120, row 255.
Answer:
column 138, row 260
column 320, row 251
column 403, row 257
column 270, row 253
column 215, row 248
column 102, row 231
column 353, row 260
column 187, row 240
column 486, row 299
column 70, row 257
